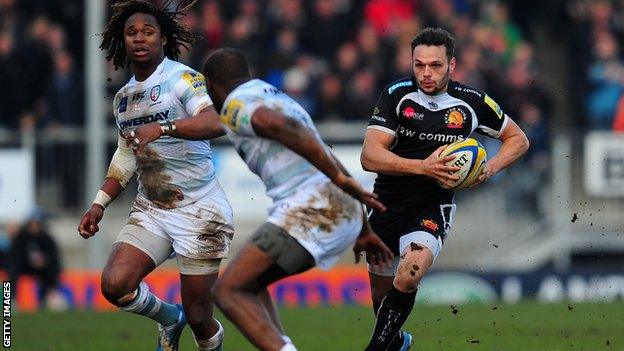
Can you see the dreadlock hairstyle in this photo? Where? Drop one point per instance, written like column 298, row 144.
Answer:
column 167, row 16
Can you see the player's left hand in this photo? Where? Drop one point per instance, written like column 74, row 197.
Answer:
column 377, row 253
column 487, row 173
column 143, row 135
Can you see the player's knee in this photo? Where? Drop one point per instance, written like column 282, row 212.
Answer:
column 114, row 287
column 406, row 282
column 198, row 314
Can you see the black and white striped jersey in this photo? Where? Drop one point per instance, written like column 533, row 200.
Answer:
column 420, row 124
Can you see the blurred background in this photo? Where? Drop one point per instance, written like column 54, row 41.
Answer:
column 549, row 228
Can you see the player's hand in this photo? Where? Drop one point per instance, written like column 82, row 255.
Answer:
column 143, row 135
column 353, row 188
column 487, row 173
column 89, row 224
column 377, row 253
column 435, row 167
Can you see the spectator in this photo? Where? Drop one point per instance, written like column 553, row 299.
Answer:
column 34, row 252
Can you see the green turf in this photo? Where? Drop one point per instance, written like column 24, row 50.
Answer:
column 526, row 326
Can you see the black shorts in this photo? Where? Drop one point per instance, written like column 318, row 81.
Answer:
column 391, row 225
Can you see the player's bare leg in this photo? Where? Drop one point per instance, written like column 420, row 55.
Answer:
column 271, row 308
column 236, row 294
column 122, row 286
column 198, row 306
column 125, row 269
column 398, row 303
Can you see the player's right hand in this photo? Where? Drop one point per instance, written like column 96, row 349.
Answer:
column 89, row 224
column 435, row 167
column 353, row 188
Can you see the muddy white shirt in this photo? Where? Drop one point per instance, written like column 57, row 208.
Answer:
column 171, row 172
column 281, row 169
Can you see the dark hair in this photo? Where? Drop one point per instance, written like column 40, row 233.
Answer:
column 177, row 34
column 225, row 66
column 431, row 36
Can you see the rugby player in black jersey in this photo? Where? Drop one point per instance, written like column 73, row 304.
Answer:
column 412, row 122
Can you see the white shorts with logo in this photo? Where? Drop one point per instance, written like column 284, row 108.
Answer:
column 200, row 230
column 324, row 219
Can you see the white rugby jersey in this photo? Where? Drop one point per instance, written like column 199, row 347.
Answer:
column 171, row 172
column 281, row 169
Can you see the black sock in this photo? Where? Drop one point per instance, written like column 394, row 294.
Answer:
column 397, row 342
column 394, row 310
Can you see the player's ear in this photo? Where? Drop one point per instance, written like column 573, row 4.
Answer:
column 452, row 64
column 164, row 40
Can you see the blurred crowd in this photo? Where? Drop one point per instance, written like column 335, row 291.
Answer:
column 333, row 56
column 599, row 49
column 28, row 249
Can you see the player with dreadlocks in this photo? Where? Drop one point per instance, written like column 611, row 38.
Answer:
column 180, row 208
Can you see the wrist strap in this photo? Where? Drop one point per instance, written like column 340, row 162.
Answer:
column 102, row 199
column 167, row 127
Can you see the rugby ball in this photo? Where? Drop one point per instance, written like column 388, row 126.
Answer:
column 470, row 157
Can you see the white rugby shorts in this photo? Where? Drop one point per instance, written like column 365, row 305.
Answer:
column 324, row 219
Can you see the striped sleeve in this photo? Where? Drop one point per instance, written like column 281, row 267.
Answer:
column 190, row 89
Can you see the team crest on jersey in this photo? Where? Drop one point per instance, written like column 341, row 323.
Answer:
column 231, row 117
column 454, row 118
column 430, row 224
column 494, row 106
column 195, row 80
column 155, row 93
column 432, row 105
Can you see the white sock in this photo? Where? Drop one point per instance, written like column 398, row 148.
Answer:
column 286, row 339
column 213, row 342
column 288, row 347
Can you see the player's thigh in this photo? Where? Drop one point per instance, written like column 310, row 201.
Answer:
column 415, row 261
column 125, row 268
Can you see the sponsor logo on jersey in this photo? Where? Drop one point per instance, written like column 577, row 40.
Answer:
column 138, row 96
column 158, row 116
column 454, row 118
column 494, row 106
column 194, row 80
column 379, row 118
column 398, row 85
column 443, row 138
column 231, row 116
column 430, row 224
column 123, row 104
column 432, row 105
column 155, row 93
column 410, row 113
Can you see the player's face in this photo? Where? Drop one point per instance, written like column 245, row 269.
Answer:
column 432, row 68
column 143, row 40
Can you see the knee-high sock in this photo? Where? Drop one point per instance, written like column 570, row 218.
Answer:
column 147, row 304
column 393, row 312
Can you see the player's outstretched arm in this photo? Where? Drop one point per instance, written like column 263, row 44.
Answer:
column 514, row 144
column 377, row 157
column 120, row 171
column 202, row 126
column 272, row 124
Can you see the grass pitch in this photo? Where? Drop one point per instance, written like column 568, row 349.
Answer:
column 525, row 326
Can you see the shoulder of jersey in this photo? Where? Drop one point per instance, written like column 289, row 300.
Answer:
column 465, row 92
column 401, row 87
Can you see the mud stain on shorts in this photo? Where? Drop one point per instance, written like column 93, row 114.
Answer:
column 134, row 221
column 216, row 233
column 336, row 206
column 156, row 182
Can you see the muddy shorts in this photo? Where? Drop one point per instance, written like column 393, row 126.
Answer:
column 201, row 230
column 282, row 248
column 321, row 217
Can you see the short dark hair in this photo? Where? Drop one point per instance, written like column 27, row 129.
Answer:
column 431, row 36
column 226, row 65
column 177, row 34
